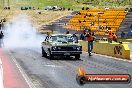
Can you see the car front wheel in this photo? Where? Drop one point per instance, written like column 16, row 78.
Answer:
column 50, row 55
column 43, row 53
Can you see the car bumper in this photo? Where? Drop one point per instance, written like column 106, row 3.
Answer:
column 66, row 52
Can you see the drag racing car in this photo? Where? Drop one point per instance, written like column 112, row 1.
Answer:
column 61, row 45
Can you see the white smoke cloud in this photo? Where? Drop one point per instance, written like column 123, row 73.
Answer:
column 20, row 33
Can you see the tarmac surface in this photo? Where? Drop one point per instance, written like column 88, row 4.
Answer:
column 12, row 77
column 61, row 73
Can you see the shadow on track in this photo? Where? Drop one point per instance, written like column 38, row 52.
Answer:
column 65, row 58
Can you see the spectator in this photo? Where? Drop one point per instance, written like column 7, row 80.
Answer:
column 68, row 9
column 84, row 21
column 67, row 32
column 33, row 8
column 30, row 7
column 39, row 12
column 84, row 30
column 82, row 36
column 131, row 26
column 90, row 15
column 1, row 35
column 92, row 24
column 129, row 33
column 78, row 13
column 102, row 27
column 5, row 7
column 114, row 37
column 4, row 20
column 110, row 36
column 63, row 8
column 122, row 34
column 90, row 38
column 87, row 8
column 2, row 25
column 21, row 8
column 79, row 21
column 82, row 8
column 75, row 38
column 85, row 16
column 106, row 8
column 8, row 8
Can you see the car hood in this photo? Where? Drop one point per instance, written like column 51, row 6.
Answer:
column 65, row 44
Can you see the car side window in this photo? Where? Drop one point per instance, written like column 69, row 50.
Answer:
column 50, row 38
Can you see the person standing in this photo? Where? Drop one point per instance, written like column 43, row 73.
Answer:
column 90, row 38
column 75, row 38
column 67, row 32
column 122, row 34
column 114, row 37
column 82, row 36
column 110, row 36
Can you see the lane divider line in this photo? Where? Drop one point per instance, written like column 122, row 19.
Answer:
column 1, row 75
column 27, row 79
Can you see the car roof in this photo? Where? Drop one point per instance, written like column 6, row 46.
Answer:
column 61, row 34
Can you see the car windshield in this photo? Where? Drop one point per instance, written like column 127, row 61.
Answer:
column 62, row 38
column 59, row 38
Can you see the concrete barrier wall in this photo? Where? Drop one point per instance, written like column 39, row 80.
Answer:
column 110, row 49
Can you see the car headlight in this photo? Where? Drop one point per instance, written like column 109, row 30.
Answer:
column 74, row 48
column 54, row 48
column 78, row 48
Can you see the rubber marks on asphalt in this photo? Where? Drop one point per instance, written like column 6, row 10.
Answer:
column 11, row 74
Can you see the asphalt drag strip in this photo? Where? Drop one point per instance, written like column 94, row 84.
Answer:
column 45, row 73
column 12, row 77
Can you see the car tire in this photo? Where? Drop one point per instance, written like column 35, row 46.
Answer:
column 43, row 53
column 51, row 57
column 77, row 57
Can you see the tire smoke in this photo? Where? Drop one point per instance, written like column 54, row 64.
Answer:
column 20, row 33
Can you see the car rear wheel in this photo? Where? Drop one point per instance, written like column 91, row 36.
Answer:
column 43, row 53
column 77, row 56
